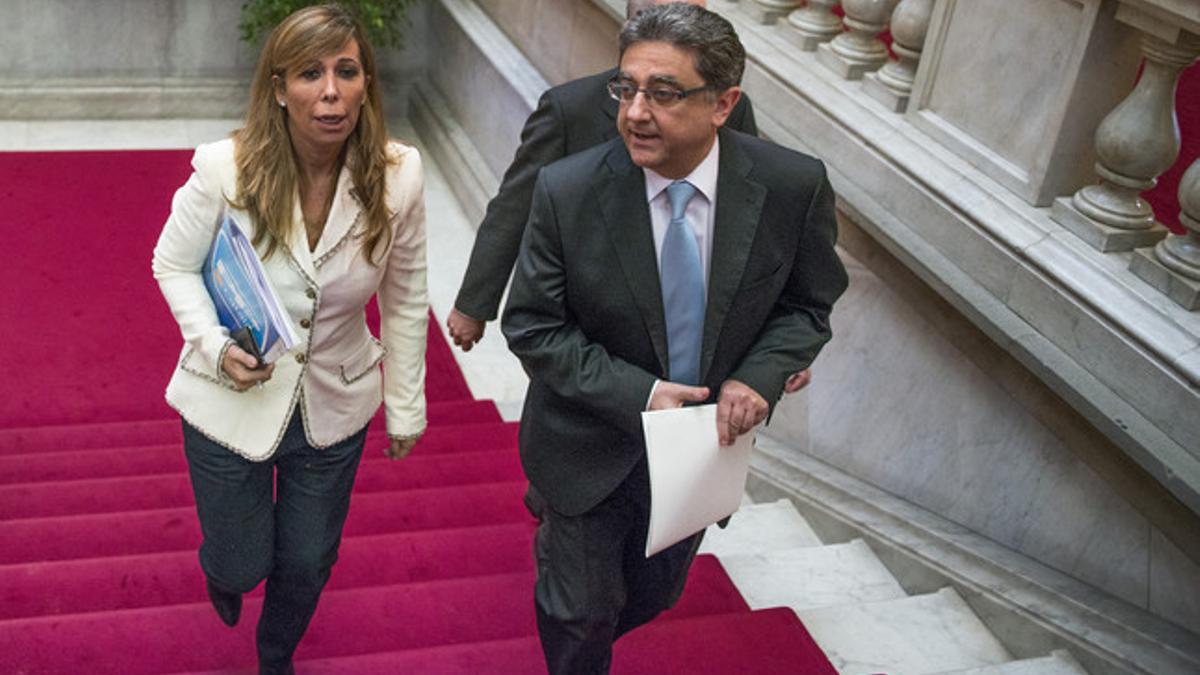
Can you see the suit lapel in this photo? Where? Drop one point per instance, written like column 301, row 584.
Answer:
column 739, row 206
column 610, row 108
column 627, row 220
column 297, row 248
column 343, row 216
column 610, row 111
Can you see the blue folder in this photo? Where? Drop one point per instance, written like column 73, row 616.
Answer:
column 245, row 301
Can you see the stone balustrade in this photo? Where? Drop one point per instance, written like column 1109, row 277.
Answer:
column 858, row 50
column 1173, row 266
column 1135, row 144
column 813, row 24
column 1040, row 150
column 892, row 84
column 768, row 11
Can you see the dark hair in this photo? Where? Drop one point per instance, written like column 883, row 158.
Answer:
column 632, row 7
column 718, row 53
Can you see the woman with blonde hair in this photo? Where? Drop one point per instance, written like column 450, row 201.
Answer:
column 336, row 213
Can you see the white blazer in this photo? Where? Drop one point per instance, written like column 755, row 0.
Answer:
column 334, row 373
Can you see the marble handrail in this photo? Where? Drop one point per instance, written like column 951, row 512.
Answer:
column 768, row 11
column 1173, row 266
column 858, row 50
column 1182, row 252
column 1135, row 144
column 892, row 84
column 813, row 24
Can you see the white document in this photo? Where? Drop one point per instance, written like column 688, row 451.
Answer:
column 694, row 482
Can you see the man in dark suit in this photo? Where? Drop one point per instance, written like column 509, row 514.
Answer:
column 681, row 263
column 570, row 117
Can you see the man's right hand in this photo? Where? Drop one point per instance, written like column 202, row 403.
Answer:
column 464, row 330
column 669, row 395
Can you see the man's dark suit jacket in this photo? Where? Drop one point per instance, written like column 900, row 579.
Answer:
column 570, row 117
column 585, row 313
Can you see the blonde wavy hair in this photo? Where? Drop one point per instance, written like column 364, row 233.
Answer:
column 268, row 176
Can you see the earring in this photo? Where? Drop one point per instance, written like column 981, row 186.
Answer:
column 283, row 104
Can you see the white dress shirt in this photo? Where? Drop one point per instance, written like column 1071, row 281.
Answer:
column 701, row 212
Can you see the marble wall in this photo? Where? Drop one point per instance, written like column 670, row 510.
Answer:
column 564, row 40
column 1022, row 104
column 137, row 58
column 483, row 80
column 913, row 399
column 122, row 39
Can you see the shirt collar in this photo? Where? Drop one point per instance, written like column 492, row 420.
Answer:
column 703, row 177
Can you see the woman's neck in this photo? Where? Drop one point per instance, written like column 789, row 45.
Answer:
column 317, row 164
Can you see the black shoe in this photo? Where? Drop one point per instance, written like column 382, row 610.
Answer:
column 228, row 605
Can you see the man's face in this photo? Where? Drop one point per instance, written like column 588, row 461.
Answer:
column 670, row 139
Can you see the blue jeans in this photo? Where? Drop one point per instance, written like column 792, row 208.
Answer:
column 280, row 520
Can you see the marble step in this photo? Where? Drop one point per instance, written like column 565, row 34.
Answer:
column 910, row 636
column 1059, row 662
column 814, row 576
column 759, row 528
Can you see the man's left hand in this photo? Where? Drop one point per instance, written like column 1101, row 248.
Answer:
column 739, row 409
column 464, row 330
column 798, row 381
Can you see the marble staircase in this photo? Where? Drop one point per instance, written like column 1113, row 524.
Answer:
column 848, row 596
column 855, row 608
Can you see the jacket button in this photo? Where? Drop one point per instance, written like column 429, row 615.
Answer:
column 305, row 324
column 300, row 358
column 312, row 295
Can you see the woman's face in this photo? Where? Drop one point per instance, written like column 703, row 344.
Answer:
column 324, row 98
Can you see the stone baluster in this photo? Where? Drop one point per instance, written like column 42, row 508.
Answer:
column 813, row 24
column 858, row 50
column 1135, row 143
column 892, row 84
column 1173, row 267
column 767, row 11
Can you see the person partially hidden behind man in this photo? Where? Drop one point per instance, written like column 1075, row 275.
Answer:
column 680, row 263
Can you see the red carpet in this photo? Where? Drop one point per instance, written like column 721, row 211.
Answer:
column 98, row 568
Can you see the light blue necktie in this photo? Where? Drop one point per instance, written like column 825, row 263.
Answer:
column 682, row 277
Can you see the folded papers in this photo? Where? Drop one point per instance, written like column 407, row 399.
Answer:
column 694, row 482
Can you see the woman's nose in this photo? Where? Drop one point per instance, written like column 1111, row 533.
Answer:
column 329, row 89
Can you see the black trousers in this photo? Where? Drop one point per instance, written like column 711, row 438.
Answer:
column 594, row 582
column 279, row 520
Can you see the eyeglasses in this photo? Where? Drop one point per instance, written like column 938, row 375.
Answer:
column 661, row 96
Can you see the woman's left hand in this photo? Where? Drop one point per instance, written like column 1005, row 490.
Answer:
column 400, row 447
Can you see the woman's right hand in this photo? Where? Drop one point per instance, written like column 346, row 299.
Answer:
column 239, row 366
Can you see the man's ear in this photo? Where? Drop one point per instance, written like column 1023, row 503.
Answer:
column 726, row 100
